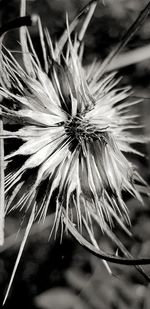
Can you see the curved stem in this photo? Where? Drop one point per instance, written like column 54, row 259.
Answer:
column 98, row 252
column 17, row 23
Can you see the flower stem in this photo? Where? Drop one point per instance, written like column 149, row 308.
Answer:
column 98, row 252
column 17, row 23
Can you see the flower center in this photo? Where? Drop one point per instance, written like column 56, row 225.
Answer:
column 80, row 129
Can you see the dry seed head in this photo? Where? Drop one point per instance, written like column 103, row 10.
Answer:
column 75, row 132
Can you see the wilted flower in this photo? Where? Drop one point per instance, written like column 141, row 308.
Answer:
column 74, row 130
column 74, row 127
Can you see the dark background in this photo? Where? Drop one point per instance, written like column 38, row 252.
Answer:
column 63, row 275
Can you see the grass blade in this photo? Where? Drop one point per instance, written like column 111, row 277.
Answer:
column 1, row 183
column 89, row 10
column 31, row 219
column 126, row 38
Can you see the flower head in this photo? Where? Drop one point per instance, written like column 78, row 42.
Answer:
column 74, row 131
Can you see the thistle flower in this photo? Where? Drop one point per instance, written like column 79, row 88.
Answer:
column 74, row 128
column 75, row 132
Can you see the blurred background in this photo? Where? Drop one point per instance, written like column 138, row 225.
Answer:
column 54, row 275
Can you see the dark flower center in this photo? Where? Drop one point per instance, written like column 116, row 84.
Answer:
column 79, row 129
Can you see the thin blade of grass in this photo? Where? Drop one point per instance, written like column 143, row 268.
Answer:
column 38, row 227
column 24, row 45
column 2, row 200
column 42, row 41
column 13, row 24
column 89, row 10
column 126, row 38
column 31, row 219
column 87, row 21
column 129, row 58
